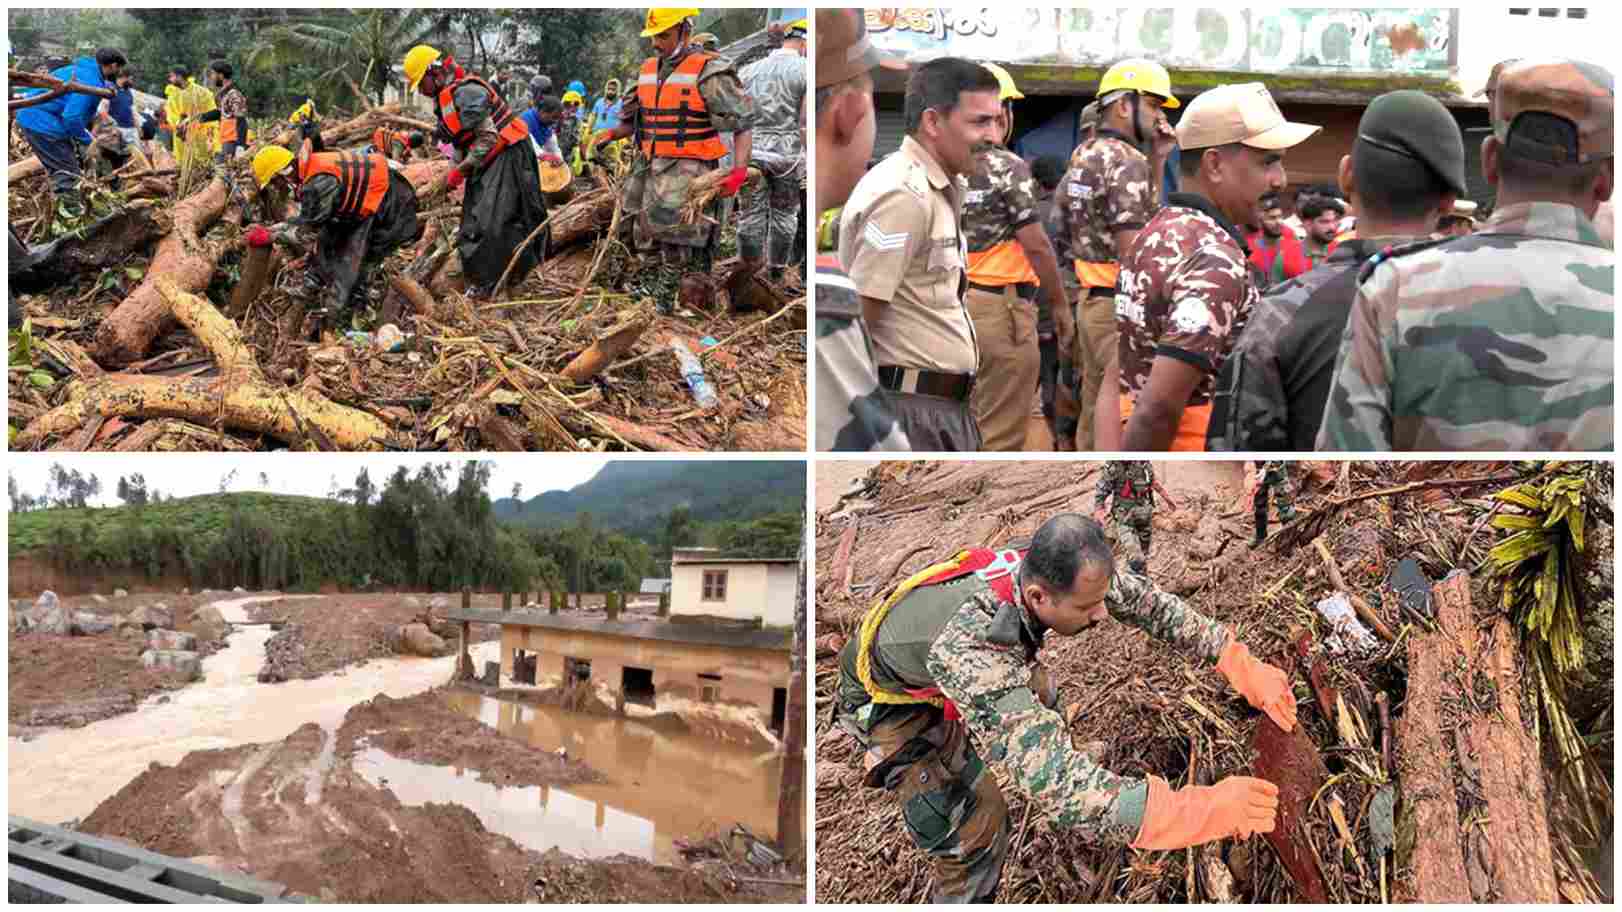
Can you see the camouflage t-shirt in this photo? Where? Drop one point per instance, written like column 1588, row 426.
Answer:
column 1107, row 189
column 1121, row 474
column 1002, row 199
column 987, row 674
column 852, row 414
column 1186, row 291
column 1500, row 340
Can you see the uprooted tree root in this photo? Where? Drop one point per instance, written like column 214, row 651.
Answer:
column 473, row 375
column 1149, row 711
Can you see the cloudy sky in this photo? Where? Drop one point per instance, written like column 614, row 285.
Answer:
column 185, row 474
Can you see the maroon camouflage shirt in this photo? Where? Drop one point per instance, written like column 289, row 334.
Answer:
column 1000, row 201
column 1186, row 292
column 1107, row 189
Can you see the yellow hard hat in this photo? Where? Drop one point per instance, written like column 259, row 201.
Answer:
column 1138, row 75
column 574, row 97
column 662, row 19
column 269, row 162
column 803, row 25
column 1009, row 90
column 417, row 62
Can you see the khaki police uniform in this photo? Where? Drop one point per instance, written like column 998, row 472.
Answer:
column 900, row 241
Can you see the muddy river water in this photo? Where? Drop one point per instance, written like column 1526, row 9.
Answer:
column 65, row 774
column 660, row 785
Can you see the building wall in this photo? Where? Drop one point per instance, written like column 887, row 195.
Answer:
column 753, row 591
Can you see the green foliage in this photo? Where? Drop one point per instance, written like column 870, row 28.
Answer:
column 777, row 535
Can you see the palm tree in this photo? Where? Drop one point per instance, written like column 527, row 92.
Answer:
column 363, row 48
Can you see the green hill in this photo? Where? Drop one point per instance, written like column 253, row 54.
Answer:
column 195, row 518
column 634, row 497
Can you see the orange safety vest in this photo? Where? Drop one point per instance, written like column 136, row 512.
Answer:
column 672, row 120
column 383, row 140
column 362, row 179
column 1004, row 264
column 1191, row 428
column 233, row 129
column 509, row 126
column 1097, row 275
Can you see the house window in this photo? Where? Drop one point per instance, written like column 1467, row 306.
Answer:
column 715, row 585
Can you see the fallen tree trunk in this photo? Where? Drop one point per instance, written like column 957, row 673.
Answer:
column 582, row 219
column 106, row 243
column 240, row 397
column 23, row 170
column 615, row 342
column 1461, row 742
column 182, row 258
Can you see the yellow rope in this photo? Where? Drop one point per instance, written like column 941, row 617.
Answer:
column 870, row 630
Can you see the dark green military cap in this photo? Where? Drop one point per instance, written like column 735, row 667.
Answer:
column 1417, row 126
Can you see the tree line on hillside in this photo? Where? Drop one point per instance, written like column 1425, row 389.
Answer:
column 284, row 55
column 431, row 530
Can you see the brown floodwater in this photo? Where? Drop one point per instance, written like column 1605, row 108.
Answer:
column 661, row 786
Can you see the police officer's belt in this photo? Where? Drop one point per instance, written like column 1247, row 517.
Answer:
column 926, row 383
column 1024, row 290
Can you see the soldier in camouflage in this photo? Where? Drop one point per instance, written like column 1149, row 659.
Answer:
column 676, row 149
column 1109, row 194
column 945, row 668
column 1186, row 284
column 1271, row 477
column 1132, row 484
column 1011, row 261
column 1406, row 168
column 1503, row 340
column 770, row 207
column 852, row 413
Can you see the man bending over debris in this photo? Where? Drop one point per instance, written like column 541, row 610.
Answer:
column 59, row 129
column 678, row 130
column 502, row 205
column 952, row 652
column 354, row 212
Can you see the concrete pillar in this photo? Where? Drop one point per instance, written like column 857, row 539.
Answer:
column 464, row 660
column 554, row 599
column 613, row 606
column 664, row 604
column 467, row 598
column 506, row 601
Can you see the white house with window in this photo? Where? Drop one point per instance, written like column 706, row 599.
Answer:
column 702, row 583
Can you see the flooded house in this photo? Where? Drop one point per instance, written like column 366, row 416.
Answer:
column 722, row 637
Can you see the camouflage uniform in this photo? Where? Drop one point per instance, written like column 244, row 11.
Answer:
column 1133, row 511
column 1274, row 478
column 852, row 413
column 656, row 188
column 1272, row 390
column 233, row 104
column 1060, row 412
column 1107, row 189
column 1502, row 340
column 1186, row 291
column 979, row 649
column 768, row 217
column 1001, row 200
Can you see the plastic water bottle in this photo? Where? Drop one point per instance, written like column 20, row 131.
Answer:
column 693, row 373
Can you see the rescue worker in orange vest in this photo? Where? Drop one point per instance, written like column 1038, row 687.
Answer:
column 1011, row 261
column 502, row 204
column 395, row 145
column 354, row 212
column 231, row 114
column 684, row 98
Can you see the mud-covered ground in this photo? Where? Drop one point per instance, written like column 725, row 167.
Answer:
column 1153, row 711
column 334, row 632
column 71, row 681
column 297, row 812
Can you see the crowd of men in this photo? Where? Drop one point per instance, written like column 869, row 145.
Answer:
column 690, row 112
column 957, row 282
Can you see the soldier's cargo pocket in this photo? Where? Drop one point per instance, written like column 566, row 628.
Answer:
column 933, row 803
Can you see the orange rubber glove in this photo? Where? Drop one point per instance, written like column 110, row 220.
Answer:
column 1236, row 806
column 1263, row 686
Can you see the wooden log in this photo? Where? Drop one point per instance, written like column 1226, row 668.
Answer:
column 240, row 397
column 612, row 344
column 582, row 219
column 20, row 171
column 1291, row 761
column 841, row 570
column 181, row 258
column 1479, row 747
column 256, row 269
column 640, row 436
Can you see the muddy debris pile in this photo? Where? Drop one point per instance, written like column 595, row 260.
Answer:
column 1367, row 813
column 152, row 328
